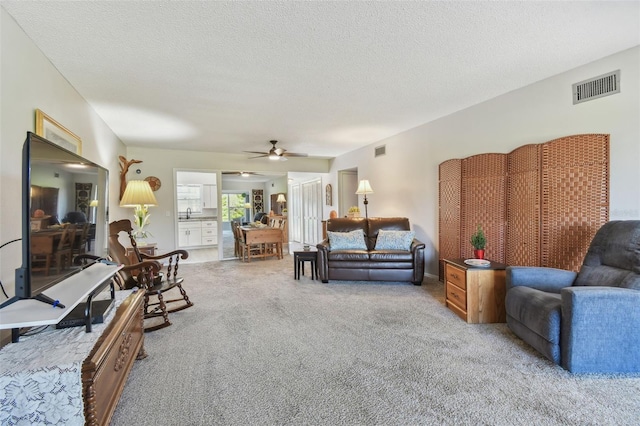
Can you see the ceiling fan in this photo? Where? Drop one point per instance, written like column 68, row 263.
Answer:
column 276, row 153
column 242, row 174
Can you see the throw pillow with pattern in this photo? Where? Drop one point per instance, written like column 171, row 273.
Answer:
column 353, row 240
column 394, row 240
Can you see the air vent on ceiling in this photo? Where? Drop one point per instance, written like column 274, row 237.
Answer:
column 380, row 150
column 597, row 87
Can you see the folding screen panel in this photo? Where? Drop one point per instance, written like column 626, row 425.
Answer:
column 575, row 197
column 450, row 180
column 484, row 184
column 523, row 211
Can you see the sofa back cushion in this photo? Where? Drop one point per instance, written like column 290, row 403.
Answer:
column 347, row 224
column 386, row 223
column 613, row 258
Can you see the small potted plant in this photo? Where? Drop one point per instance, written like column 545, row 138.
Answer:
column 479, row 242
column 354, row 211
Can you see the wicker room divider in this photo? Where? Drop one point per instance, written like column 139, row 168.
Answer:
column 539, row 205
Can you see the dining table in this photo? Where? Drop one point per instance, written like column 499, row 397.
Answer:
column 266, row 241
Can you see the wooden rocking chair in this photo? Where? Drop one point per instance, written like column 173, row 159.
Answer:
column 145, row 274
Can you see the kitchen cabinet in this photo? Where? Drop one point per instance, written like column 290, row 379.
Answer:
column 209, row 196
column 189, row 234
column 209, row 232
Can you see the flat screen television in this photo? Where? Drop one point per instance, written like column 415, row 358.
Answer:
column 60, row 190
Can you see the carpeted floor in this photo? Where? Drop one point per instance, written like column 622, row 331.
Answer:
column 260, row 348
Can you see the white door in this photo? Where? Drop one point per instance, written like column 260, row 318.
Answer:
column 295, row 213
column 312, row 212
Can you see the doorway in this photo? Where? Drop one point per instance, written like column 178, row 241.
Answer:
column 347, row 187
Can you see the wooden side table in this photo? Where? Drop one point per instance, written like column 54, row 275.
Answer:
column 475, row 294
column 299, row 257
column 149, row 249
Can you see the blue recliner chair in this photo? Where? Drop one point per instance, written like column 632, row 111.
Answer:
column 587, row 322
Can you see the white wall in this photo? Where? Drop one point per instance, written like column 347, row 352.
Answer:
column 405, row 180
column 28, row 81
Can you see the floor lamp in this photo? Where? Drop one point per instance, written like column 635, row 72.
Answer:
column 364, row 188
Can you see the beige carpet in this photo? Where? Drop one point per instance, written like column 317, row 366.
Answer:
column 259, row 348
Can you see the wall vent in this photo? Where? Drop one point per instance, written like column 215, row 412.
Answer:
column 380, row 150
column 597, row 87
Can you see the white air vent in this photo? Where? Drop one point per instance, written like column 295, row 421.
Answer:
column 380, row 150
column 597, row 87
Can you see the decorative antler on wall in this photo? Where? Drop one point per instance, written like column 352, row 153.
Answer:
column 124, row 168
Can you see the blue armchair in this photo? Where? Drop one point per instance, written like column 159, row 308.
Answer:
column 587, row 322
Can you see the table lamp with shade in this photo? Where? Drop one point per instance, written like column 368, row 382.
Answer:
column 281, row 200
column 364, row 188
column 139, row 195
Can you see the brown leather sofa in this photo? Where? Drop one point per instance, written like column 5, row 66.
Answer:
column 371, row 264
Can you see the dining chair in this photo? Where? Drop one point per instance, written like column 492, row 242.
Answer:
column 80, row 242
column 64, row 249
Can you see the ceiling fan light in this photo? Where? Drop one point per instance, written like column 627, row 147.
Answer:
column 274, row 156
column 244, row 174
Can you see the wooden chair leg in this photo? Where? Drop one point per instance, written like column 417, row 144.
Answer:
column 163, row 310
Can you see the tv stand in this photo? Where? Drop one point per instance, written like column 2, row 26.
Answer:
column 75, row 289
column 46, row 299
column 85, row 372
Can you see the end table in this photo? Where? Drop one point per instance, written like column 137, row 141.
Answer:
column 299, row 257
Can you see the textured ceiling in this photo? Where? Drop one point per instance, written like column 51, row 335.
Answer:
column 323, row 78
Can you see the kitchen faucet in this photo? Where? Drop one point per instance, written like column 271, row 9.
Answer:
column 188, row 212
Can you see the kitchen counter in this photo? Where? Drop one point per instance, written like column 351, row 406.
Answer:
column 197, row 218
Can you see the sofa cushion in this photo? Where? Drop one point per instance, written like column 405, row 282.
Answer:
column 537, row 310
column 391, row 256
column 613, row 259
column 394, row 240
column 353, row 240
column 348, row 255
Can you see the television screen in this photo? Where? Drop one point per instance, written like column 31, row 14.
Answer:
column 64, row 208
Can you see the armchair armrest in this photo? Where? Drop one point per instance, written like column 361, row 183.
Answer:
column 544, row 279
column 322, row 262
column 417, row 250
column 600, row 330
column 416, row 245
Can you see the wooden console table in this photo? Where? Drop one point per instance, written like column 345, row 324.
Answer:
column 73, row 377
column 475, row 294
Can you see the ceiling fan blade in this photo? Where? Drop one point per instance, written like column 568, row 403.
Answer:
column 256, row 152
column 259, row 156
column 294, row 154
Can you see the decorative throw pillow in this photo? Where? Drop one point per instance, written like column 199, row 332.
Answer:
column 394, row 240
column 353, row 240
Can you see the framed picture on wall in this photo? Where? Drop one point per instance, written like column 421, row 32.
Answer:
column 55, row 132
column 328, row 193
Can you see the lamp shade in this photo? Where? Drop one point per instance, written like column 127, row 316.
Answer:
column 137, row 193
column 247, row 205
column 93, row 203
column 281, row 199
column 364, row 187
